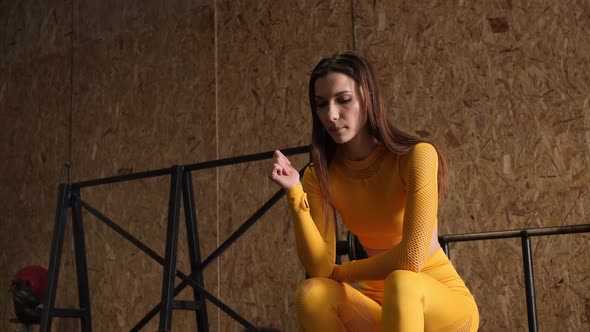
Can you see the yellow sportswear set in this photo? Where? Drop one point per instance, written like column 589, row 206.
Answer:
column 390, row 203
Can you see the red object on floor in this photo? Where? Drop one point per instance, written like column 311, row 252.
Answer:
column 36, row 277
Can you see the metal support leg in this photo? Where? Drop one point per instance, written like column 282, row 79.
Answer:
column 55, row 257
column 445, row 246
column 529, row 281
column 192, row 233
column 171, row 250
column 81, row 266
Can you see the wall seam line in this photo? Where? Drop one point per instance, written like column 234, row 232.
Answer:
column 216, row 65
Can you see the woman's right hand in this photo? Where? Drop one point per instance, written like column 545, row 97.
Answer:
column 282, row 172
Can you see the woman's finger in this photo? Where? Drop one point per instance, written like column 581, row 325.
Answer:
column 274, row 172
column 284, row 158
column 279, row 170
column 281, row 157
column 284, row 162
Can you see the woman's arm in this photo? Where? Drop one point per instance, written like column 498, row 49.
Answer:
column 315, row 237
column 420, row 217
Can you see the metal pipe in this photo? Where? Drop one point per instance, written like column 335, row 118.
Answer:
column 529, row 281
column 191, row 167
column 55, row 257
column 81, row 265
column 122, row 178
column 445, row 246
column 192, row 234
column 517, row 233
column 245, row 158
column 171, row 249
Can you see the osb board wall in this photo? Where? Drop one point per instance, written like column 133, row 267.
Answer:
column 144, row 100
column 32, row 30
column 266, row 50
column 34, row 126
column 501, row 87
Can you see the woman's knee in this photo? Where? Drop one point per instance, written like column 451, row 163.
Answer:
column 403, row 282
column 316, row 292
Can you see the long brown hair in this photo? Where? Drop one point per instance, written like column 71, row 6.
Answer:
column 323, row 147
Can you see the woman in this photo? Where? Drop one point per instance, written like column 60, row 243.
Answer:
column 385, row 185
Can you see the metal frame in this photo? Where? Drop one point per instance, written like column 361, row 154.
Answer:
column 181, row 188
column 527, row 257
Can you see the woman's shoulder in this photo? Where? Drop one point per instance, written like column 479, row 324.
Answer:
column 423, row 149
column 421, row 155
column 419, row 150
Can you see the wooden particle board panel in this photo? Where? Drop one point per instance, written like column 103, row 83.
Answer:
column 34, row 126
column 266, row 51
column 34, row 29
column 499, row 87
column 144, row 100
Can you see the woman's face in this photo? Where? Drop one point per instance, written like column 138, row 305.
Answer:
column 338, row 107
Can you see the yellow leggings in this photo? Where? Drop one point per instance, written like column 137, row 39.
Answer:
column 434, row 299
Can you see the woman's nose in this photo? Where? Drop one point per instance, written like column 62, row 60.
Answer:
column 333, row 112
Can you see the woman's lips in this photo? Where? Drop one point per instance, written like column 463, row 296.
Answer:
column 336, row 130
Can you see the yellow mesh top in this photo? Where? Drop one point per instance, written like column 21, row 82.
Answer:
column 386, row 200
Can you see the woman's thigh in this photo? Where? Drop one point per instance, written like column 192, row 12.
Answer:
column 327, row 305
column 415, row 300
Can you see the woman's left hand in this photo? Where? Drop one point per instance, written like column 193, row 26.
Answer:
column 337, row 273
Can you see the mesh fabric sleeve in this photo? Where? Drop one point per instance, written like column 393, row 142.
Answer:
column 315, row 237
column 419, row 174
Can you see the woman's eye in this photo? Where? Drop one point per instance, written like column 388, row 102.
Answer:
column 320, row 105
column 345, row 101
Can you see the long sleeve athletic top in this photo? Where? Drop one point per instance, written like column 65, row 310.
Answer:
column 387, row 201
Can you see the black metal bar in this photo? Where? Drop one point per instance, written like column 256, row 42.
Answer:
column 171, row 250
column 118, row 229
column 246, row 158
column 185, row 305
column 70, row 313
column 122, row 178
column 338, row 243
column 55, row 257
column 191, row 167
column 245, row 226
column 190, row 217
column 517, row 233
column 445, row 246
column 341, row 248
column 481, row 236
column 529, row 281
column 350, row 239
column 81, row 266
column 160, row 259
column 242, row 229
column 556, row 230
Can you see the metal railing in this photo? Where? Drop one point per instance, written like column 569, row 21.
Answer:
column 181, row 192
column 69, row 197
column 527, row 257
